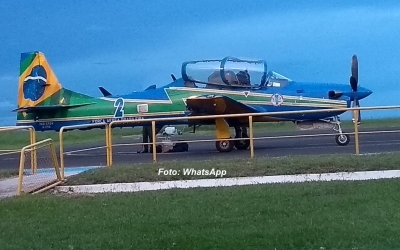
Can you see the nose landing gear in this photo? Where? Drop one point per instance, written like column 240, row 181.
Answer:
column 341, row 139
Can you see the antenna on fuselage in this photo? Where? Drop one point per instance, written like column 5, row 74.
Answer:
column 173, row 77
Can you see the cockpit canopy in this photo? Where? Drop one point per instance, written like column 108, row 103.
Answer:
column 229, row 71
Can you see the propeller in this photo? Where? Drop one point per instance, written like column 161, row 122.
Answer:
column 354, row 85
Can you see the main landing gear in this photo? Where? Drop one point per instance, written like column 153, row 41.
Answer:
column 241, row 132
column 223, row 145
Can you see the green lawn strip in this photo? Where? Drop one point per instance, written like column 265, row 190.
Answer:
column 328, row 215
column 19, row 139
column 262, row 166
column 8, row 173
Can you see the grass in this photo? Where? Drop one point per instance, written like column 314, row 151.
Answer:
column 19, row 139
column 240, row 168
column 8, row 173
column 335, row 215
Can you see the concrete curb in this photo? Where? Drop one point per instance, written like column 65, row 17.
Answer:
column 226, row 182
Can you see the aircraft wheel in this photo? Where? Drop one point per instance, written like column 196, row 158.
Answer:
column 242, row 144
column 224, row 146
column 342, row 140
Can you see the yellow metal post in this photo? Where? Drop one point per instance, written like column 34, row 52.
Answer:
column 60, row 138
column 251, row 136
column 55, row 162
column 21, row 171
column 153, row 135
column 32, row 137
column 32, row 151
column 108, row 145
column 35, row 154
column 355, row 115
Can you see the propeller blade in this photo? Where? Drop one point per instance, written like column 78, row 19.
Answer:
column 354, row 73
column 353, row 83
column 354, row 67
column 359, row 111
column 356, row 103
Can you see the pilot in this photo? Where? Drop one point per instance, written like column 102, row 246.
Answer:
column 243, row 77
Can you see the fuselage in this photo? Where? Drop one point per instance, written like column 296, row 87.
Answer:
column 170, row 101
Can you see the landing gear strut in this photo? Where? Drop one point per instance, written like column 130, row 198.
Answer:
column 341, row 139
column 223, row 134
column 241, row 132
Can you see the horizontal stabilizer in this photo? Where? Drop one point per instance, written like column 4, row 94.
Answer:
column 105, row 92
column 217, row 105
column 49, row 108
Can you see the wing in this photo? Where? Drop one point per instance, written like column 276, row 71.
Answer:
column 217, row 105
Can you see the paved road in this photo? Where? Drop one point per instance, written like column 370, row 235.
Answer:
column 89, row 155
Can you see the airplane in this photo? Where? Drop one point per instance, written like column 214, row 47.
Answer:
column 206, row 87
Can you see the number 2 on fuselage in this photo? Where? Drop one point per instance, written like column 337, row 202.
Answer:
column 119, row 107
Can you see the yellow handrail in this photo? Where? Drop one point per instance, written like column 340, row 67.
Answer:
column 77, row 127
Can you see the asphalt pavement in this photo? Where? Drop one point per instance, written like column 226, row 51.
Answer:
column 91, row 155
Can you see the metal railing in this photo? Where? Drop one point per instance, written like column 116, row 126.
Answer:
column 93, row 125
column 153, row 121
column 32, row 140
column 250, row 116
column 32, row 147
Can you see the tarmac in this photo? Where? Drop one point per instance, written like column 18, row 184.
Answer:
column 92, row 155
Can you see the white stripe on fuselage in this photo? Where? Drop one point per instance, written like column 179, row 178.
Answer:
column 224, row 92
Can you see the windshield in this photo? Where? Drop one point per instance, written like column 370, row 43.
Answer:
column 277, row 80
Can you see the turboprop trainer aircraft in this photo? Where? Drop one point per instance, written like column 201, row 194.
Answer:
column 206, row 87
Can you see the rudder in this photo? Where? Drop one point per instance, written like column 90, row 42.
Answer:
column 37, row 81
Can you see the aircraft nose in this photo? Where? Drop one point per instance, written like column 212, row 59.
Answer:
column 363, row 92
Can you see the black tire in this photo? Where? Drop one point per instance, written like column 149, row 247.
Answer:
column 342, row 140
column 224, row 146
column 242, row 144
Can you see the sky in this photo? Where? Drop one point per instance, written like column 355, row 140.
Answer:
column 126, row 46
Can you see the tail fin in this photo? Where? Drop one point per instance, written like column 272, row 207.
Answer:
column 37, row 81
